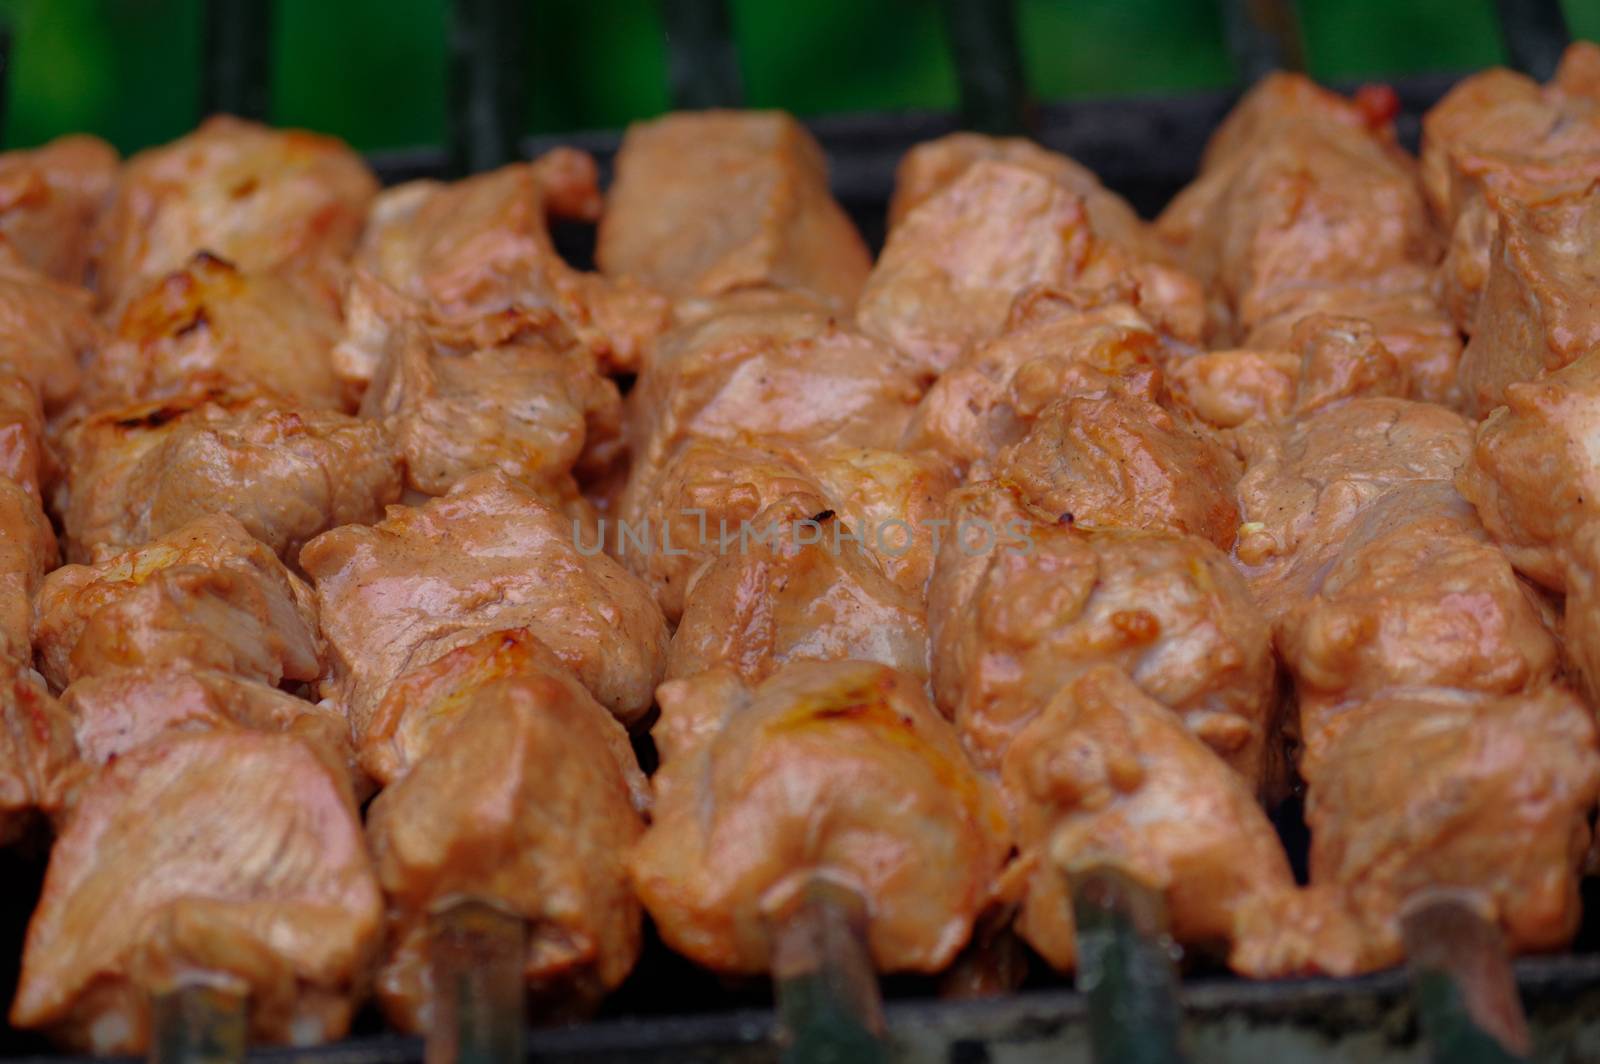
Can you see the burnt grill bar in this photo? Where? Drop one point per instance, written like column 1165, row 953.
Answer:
column 488, row 55
column 237, row 77
column 702, row 56
column 1535, row 33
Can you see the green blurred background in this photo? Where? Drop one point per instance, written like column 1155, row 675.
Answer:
column 373, row 71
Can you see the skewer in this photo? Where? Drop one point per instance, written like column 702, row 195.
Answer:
column 1125, row 967
column 1461, row 981
column 983, row 40
column 994, row 963
column 829, row 1008
column 476, row 951
column 1262, row 36
column 238, row 58
column 1535, row 34
column 702, row 59
column 487, row 39
column 198, row 1023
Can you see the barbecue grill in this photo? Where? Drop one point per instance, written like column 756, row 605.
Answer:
column 1145, row 148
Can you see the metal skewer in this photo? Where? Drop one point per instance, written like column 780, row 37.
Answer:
column 1125, row 967
column 829, row 1007
column 476, row 951
column 994, row 963
column 1461, row 982
column 198, row 1023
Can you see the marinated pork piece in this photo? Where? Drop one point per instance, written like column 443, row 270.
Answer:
column 1501, row 124
column 534, row 408
column 209, row 327
column 25, row 458
column 710, row 494
column 233, row 854
column 778, row 369
column 1537, row 310
column 952, row 268
column 931, row 166
column 1305, row 204
column 1332, row 359
column 477, row 256
column 1104, row 773
column 1049, row 350
column 1307, row 482
column 48, row 334
column 1420, row 788
column 27, row 552
column 286, row 472
column 36, row 749
column 1534, row 474
column 1416, row 596
column 807, row 591
column 50, row 198
column 424, row 704
column 206, row 595
column 264, row 199
column 488, row 556
column 524, row 799
column 710, row 202
column 1118, row 461
column 839, row 770
column 119, row 711
column 1020, row 607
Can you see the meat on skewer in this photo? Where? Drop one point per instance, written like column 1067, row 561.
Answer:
column 286, row 472
column 710, row 202
column 53, row 196
column 1305, row 204
column 228, row 859
column 520, row 791
column 265, row 200
column 488, row 556
column 476, row 258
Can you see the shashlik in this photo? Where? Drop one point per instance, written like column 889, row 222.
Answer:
column 1080, row 482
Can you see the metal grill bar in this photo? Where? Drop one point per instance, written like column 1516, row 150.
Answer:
column 1535, row 33
column 488, row 51
column 237, row 78
column 983, row 41
column 702, row 58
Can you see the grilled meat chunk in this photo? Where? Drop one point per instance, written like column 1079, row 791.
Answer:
column 1020, row 607
column 709, row 202
column 286, row 472
column 1105, row 774
column 524, row 797
column 1118, row 461
column 1494, row 125
column 1307, row 481
column 837, row 770
column 534, row 408
column 772, row 368
column 954, row 265
column 230, row 855
column 1306, row 204
column 50, row 199
column 476, row 255
column 1051, row 350
column 211, row 327
column 264, row 199
column 206, row 594
column 488, row 556
column 37, row 752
